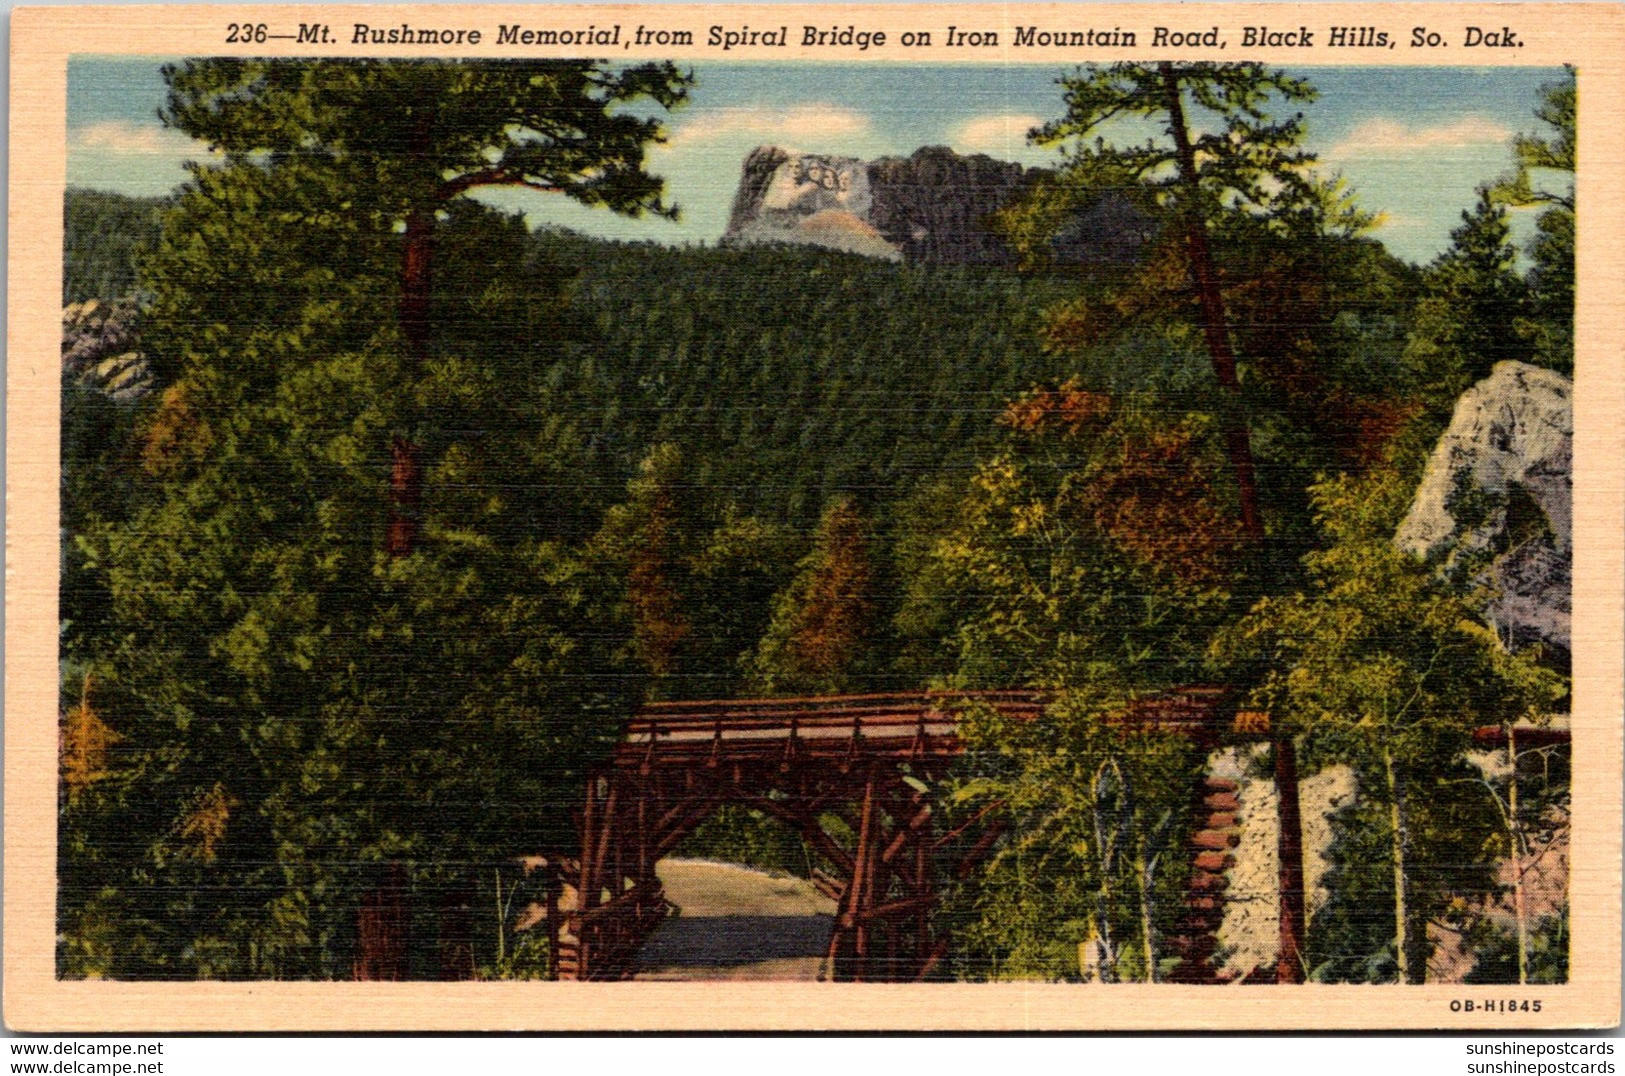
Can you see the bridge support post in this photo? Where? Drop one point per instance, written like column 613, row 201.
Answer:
column 849, row 943
column 552, row 922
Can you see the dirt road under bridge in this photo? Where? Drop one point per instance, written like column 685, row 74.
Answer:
column 737, row 923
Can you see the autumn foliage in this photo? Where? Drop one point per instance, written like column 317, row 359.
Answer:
column 823, row 621
column 1152, row 481
column 659, row 626
column 1154, row 495
column 175, row 434
column 85, row 743
column 1068, row 409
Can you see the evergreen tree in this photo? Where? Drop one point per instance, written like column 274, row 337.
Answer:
column 652, row 533
column 820, row 637
column 310, row 679
column 1473, row 310
column 401, row 141
column 696, row 579
column 734, row 575
column 1221, row 153
column 1543, row 178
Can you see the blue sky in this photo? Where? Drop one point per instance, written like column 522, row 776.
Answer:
column 1413, row 142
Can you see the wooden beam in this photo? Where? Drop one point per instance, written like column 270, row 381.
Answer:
column 606, row 831
column 863, row 881
column 979, row 851
column 807, row 825
column 829, row 885
column 589, row 841
column 694, row 817
column 933, row 958
column 908, row 830
column 967, row 825
column 893, row 908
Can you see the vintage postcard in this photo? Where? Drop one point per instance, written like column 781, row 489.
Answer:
column 947, row 517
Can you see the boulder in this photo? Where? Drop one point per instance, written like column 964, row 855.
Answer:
column 1250, row 934
column 1495, row 505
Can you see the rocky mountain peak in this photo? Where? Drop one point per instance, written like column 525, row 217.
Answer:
column 933, row 207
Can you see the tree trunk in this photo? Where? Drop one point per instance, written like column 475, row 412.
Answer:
column 405, row 497
column 1239, row 449
column 405, row 492
column 1205, row 282
column 1105, row 951
column 457, row 933
column 417, row 281
column 502, row 919
column 1107, row 969
column 381, row 929
column 406, row 471
column 1289, row 957
column 1146, row 872
column 1518, row 849
column 1396, row 819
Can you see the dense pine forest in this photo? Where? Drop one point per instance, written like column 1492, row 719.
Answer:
column 356, row 593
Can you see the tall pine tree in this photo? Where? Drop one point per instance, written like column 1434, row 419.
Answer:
column 1220, row 154
column 353, row 633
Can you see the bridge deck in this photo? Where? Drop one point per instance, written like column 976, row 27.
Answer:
column 899, row 724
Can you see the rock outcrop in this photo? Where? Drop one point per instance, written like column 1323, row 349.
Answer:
column 934, row 207
column 1247, row 935
column 1495, row 503
column 99, row 349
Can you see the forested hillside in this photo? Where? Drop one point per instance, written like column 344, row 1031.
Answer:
column 794, row 374
column 105, row 234
column 788, row 375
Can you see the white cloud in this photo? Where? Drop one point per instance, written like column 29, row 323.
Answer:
column 132, row 139
column 1002, row 136
column 1384, row 137
column 800, row 123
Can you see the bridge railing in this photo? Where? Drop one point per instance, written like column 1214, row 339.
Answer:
column 919, row 722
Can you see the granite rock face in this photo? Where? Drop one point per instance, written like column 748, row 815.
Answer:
column 1496, row 501
column 934, row 205
column 824, row 201
column 100, row 349
column 929, row 208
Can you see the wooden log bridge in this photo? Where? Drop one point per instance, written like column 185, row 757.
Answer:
column 850, row 774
